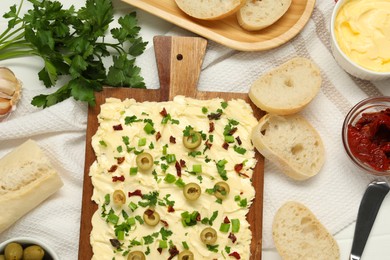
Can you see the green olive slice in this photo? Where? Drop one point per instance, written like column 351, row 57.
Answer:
column 192, row 191
column 151, row 217
column 222, row 189
column 208, row 236
column 193, row 140
column 119, row 197
column 144, row 161
column 185, row 255
column 136, row 255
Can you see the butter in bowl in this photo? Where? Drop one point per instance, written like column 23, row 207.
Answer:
column 360, row 38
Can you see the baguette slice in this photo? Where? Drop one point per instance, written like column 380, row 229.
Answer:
column 298, row 234
column 26, row 179
column 210, row 9
column 259, row 14
column 291, row 143
column 288, row 88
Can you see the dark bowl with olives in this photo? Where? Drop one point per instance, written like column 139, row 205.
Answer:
column 26, row 248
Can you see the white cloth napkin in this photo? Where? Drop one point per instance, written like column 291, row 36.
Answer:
column 333, row 195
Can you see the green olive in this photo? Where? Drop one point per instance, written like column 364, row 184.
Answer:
column 193, row 140
column 208, row 236
column 119, row 197
column 186, row 255
column 34, row 252
column 144, row 161
column 151, row 217
column 13, row 251
column 192, row 191
column 222, row 189
column 136, row 255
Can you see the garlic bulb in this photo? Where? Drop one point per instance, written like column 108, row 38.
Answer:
column 10, row 88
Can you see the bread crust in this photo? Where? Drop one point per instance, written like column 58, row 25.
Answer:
column 291, row 143
column 26, row 179
column 209, row 9
column 299, row 79
column 298, row 234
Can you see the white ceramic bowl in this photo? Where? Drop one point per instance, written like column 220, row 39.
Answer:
column 344, row 61
column 26, row 241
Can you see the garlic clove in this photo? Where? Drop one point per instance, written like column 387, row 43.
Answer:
column 10, row 90
column 5, row 106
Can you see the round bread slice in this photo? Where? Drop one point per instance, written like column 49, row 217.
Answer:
column 298, row 234
column 288, row 88
column 291, row 143
column 210, row 9
column 259, row 14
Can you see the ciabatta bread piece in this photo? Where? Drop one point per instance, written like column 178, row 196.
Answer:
column 258, row 14
column 290, row 142
column 288, row 88
column 298, row 235
column 210, row 9
column 26, row 179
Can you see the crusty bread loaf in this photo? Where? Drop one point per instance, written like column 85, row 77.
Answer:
column 26, row 179
column 259, row 14
column 210, row 9
column 288, row 88
column 291, row 143
column 299, row 235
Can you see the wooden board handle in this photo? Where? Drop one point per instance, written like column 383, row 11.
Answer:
column 179, row 60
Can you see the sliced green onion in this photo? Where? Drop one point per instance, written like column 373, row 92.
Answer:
column 141, row 141
column 180, row 183
column 112, row 218
column 229, row 138
column 235, row 225
column 149, row 129
column 133, row 206
column 171, row 158
column 170, row 178
column 163, row 244
column 224, row 227
column 197, row 168
column 131, row 221
column 120, row 235
column 133, row 171
column 185, row 245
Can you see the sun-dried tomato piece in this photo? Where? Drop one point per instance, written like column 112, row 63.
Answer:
column 163, row 112
column 235, row 255
column 135, row 193
column 178, row 168
column 117, row 127
column 158, row 136
column 172, row 139
column 113, row 168
column 211, row 127
column 120, row 160
column 225, row 145
column 232, row 237
column 118, row 178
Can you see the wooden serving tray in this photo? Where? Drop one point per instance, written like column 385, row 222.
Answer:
column 179, row 62
column 227, row 31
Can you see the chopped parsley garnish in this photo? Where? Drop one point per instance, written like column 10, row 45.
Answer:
column 213, row 248
column 224, row 104
column 102, row 143
column 211, row 219
column 131, row 119
column 149, row 199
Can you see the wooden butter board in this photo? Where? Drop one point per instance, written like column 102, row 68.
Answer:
column 227, row 31
column 179, row 62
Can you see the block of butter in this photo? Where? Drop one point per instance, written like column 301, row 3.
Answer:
column 26, row 179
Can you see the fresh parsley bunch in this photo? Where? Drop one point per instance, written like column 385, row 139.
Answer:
column 72, row 42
